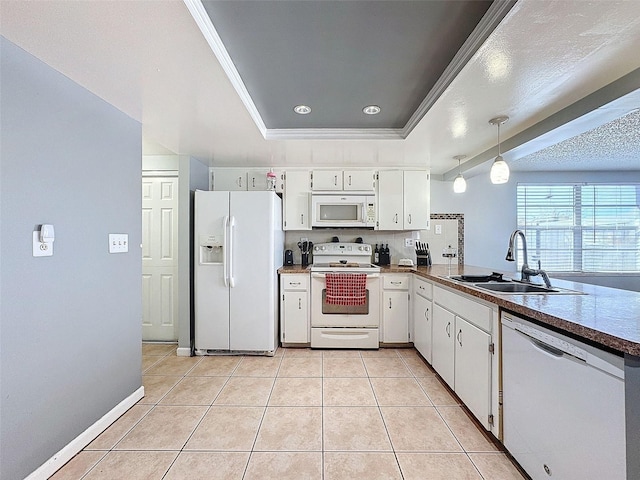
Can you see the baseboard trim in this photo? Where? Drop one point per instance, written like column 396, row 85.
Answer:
column 85, row 438
column 183, row 352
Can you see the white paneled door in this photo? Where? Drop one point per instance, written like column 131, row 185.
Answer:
column 159, row 258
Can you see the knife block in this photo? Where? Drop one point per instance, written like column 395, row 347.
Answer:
column 423, row 260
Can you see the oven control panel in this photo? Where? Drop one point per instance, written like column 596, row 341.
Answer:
column 350, row 249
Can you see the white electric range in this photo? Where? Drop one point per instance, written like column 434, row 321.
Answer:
column 344, row 326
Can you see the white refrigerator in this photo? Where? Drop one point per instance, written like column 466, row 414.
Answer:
column 238, row 249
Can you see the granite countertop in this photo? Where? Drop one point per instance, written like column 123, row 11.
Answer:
column 604, row 316
column 293, row 269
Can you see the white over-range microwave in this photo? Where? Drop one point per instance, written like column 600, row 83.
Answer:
column 340, row 210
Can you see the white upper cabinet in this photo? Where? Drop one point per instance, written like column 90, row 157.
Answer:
column 390, row 200
column 347, row 180
column 403, row 200
column 360, row 180
column 327, row 180
column 297, row 200
column 417, row 200
column 257, row 179
column 228, row 179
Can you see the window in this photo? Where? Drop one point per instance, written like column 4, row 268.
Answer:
column 581, row 227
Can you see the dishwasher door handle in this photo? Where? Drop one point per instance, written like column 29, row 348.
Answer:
column 547, row 348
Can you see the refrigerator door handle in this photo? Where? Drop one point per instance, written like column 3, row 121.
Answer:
column 232, row 226
column 225, row 243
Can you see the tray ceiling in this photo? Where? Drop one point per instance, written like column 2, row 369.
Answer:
column 338, row 57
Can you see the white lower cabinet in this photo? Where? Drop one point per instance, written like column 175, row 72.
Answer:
column 294, row 308
column 395, row 308
column 422, row 317
column 443, row 349
column 472, row 371
column 462, row 350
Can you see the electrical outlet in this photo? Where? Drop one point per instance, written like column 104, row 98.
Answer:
column 118, row 243
column 408, row 242
column 438, row 229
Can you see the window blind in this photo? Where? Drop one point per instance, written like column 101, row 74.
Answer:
column 580, row 227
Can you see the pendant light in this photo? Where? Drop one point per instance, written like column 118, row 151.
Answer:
column 459, row 184
column 499, row 169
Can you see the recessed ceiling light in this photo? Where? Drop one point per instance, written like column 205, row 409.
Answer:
column 302, row 109
column 371, row 110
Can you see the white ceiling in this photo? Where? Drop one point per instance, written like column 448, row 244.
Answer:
column 151, row 61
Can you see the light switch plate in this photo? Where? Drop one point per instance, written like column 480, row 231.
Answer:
column 118, row 243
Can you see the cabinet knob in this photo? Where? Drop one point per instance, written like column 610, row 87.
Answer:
column 299, row 304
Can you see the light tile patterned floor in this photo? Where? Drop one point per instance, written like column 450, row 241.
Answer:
column 303, row 414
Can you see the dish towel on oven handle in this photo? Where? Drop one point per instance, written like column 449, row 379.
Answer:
column 346, row 288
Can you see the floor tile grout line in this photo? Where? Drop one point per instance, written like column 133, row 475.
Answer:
column 386, row 428
column 93, row 466
column 264, row 412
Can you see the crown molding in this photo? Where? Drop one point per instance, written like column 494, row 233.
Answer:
column 334, row 134
column 491, row 19
column 203, row 21
column 488, row 23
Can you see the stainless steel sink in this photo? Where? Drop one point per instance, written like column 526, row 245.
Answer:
column 516, row 288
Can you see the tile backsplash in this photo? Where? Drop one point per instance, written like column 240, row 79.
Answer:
column 450, row 228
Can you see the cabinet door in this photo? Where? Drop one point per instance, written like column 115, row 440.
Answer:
column 442, row 352
column 416, row 200
column 361, row 180
column 473, row 369
column 395, row 316
column 422, row 326
column 257, row 179
column 229, row 179
column 390, row 200
column 295, row 317
column 296, row 201
column 327, row 180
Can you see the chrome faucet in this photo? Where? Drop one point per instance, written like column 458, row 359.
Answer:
column 526, row 272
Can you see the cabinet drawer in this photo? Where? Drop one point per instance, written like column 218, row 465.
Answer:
column 295, row 282
column 476, row 313
column 422, row 288
column 395, row 282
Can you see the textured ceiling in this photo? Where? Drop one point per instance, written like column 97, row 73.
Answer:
column 612, row 146
column 338, row 57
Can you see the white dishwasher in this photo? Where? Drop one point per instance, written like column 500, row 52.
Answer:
column 563, row 404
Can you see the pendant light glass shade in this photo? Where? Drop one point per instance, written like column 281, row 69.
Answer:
column 499, row 170
column 459, row 184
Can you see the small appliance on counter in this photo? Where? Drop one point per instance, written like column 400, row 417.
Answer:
column 288, row 257
column 381, row 256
